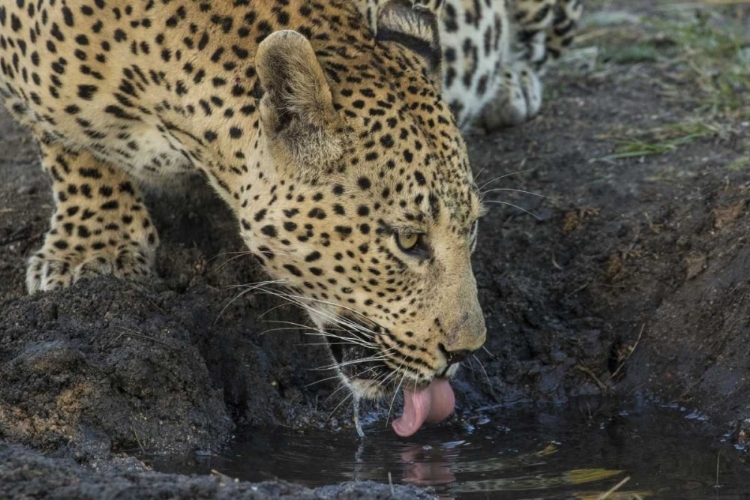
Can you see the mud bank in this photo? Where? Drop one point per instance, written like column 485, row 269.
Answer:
column 27, row 474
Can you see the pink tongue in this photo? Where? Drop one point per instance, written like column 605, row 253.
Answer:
column 431, row 404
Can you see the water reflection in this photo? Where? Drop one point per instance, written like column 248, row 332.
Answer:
column 514, row 455
column 426, row 466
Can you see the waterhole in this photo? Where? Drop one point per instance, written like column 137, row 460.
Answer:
column 660, row 452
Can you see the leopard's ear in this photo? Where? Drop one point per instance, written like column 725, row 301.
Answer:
column 296, row 110
column 414, row 24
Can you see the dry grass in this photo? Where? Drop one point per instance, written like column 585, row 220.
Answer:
column 701, row 54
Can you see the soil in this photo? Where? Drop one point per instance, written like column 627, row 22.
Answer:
column 629, row 282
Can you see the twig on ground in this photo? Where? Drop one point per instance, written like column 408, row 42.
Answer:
column 593, row 376
column 578, row 290
column 137, row 439
column 216, row 473
column 614, row 489
column 718, row 456
column 630, row 353
column 136, row 334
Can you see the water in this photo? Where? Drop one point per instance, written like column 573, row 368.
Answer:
column 502, row 454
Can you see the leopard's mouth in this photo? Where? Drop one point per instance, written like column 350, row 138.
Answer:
column 368, row 371
column 374, row 366
column 361, row 361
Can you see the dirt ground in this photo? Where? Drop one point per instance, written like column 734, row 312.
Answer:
column 626, row 278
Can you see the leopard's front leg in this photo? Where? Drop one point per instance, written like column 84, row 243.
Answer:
column 100, row 224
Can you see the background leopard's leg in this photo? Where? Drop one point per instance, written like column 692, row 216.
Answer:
column 545, row 28
column 100, row 225
column 371, row 9
column 562, row 32
column 533, row 19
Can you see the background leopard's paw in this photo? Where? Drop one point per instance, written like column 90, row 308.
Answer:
column 517, row 100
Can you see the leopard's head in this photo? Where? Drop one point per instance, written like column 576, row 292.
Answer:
column 374, row 208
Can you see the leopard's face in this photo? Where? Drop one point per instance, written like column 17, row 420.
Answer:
column 373, row 213
column 377, row 250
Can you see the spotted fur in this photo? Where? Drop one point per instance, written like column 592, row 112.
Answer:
column 330, row 141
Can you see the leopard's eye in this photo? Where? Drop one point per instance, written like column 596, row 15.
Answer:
column 407, row 241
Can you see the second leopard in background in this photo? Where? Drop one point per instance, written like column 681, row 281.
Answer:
column 494, row 52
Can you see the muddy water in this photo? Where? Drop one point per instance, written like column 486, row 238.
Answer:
column 502, row 454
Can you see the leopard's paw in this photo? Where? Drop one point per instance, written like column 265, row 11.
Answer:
column 61, row 263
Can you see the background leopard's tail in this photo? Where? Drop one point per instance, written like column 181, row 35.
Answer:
column 545, row 28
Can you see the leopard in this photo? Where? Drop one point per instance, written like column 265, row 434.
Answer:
column 325, row 126
column 495, row 53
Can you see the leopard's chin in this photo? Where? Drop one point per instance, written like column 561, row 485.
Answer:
column 368, row 389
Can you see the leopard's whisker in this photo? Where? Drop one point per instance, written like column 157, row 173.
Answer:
column 298, row 300
column 300, row 326
column 479, row 174
column 498, row 202
column 258, row 283
column 495, row 190
column 323, row 380
column 395, row 393
column 242, row 293
column 350, row 363
column 332, row 304
column 383, row 380
column 486, row 376
column 230, row 259
column 291, row 299
column 351, row 394
column 342, row 385
column 479, row 188
column 366, row 345
column 471, row 366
